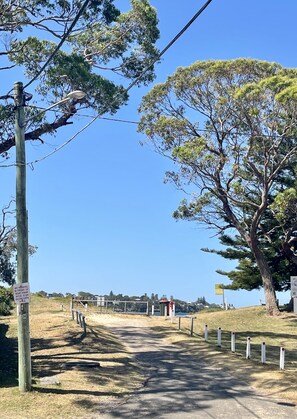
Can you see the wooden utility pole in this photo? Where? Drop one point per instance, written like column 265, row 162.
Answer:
column 24, row 347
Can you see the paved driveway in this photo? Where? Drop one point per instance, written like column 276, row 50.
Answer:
column 181, row 385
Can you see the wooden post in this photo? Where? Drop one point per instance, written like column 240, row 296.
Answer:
column 282, row 359
column 80, row 319
column 248, row 348
column 219, row 337
column 71, row 304
column 24, row 345
column 84, row 324
column 192, row 326
column 72, row 313
column 206, row 333
column 77, row 316
column 263, row 353
column 232, row 341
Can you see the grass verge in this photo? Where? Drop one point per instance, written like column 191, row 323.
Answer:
column 250, row 322
column 61, row 350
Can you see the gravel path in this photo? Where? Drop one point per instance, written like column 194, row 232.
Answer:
column 181, row 385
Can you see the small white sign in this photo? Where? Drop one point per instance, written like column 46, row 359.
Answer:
column 21, row 293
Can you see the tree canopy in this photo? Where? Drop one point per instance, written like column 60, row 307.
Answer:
column 63, row 46
column 230, row 128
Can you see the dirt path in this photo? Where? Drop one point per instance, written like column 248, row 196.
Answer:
column 181, row 385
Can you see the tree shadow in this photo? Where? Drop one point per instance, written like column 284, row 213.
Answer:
column 8, row 359
column 178, row 381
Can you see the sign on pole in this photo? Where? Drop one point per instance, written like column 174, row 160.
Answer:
column 219, row 289
column 100, row 301
column 21, row 293
column 294, row 292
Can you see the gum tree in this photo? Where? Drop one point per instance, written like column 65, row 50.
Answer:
column 62, row 46
column 229, row 127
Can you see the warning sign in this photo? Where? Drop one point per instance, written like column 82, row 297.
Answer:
column 219, row 290
column 21, row 293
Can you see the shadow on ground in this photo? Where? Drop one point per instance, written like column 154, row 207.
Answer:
column 183, row 382
column 8, row 359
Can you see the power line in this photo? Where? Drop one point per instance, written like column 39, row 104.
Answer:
column 170, row 44
column 190, row 22
column 98, row 116
column 65, row 36
column 128, row 121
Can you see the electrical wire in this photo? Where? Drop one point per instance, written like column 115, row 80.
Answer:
column 180, row 33
column 65, row 36
column 133, row 83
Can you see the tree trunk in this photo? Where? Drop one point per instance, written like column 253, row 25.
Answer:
column 269, row 290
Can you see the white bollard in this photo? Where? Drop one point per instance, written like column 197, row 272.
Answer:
column 282, row 359
column 153, row 309
column 219, row 337
column 232, row 341
column 263, row 353
column 248, row 348
column 206, row 333
column 165, row 312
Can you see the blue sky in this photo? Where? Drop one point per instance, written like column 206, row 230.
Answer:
column 99, row 211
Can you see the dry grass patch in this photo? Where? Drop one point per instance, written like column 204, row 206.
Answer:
column 61, row 350
column 252, row 321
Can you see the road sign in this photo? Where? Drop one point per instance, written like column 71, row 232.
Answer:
column 21, row 293
column 219, row 289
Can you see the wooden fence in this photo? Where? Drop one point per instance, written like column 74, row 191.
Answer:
column 80, row 319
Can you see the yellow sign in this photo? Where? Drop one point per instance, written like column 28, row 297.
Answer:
column 219, row 289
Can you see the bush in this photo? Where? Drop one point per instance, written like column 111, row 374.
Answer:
column 6, row 299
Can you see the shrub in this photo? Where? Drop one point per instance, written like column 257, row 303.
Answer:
column 6, row 299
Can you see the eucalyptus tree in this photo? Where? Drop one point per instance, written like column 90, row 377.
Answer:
column 229, row 126
column 277, row 238
column 58, row 47
column 63, row 46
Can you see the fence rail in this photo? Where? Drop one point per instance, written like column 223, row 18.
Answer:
column 238, row 343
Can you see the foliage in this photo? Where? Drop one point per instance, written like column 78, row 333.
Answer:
column 86, row 295
column 105, row 46
column 277, row 238
column 7, row 269
column 8, row 249
column 246, row 275
column 41, row 294
column 6, row 299
column 232, row 165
